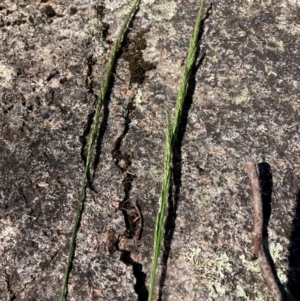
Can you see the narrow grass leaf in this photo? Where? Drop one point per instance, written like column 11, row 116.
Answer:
column 171, row 134
column 100, row 101
column 190, row 61
column 162, row 204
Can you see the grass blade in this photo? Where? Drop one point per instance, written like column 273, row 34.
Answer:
column 171, row 134
column 100, row 101
column 162, row 204
column 190, row 61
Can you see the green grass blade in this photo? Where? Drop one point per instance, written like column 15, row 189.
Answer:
column 190, row 61
column 100, row 101
column 171, row 134
column 162, row 204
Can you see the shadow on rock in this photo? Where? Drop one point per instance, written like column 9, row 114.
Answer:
column 294, row 254
column 266, row 185
column 140, row 276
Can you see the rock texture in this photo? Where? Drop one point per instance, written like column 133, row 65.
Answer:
column 242, row 104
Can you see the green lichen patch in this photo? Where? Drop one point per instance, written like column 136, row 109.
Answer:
column 132, row 53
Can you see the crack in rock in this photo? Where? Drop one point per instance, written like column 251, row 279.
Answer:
column 127, row 242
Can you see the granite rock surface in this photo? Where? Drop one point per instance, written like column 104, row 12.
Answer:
column 242, row 105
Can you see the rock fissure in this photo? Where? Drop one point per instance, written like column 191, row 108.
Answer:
column 123, row 160
column 127, row 242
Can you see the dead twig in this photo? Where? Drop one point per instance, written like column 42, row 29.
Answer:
column 257, row 249
column 138, row 218
column 257, row 232
column 135, row 212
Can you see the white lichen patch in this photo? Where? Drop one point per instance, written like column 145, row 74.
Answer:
column 212, row 270
column 138, row 97
column 157, row 33
column 250, row 265
column 6, row 75
column 213, row 46
column 243, row 97
column 94, row 28
column 275, row 44
column 192, row 255
column 287, row 19
column 152, row 173
column 163, row 11
column 262, row 128
column 277, row 253
column 122, row 12
column 202, row 199
column 221, row 79
column 236, row 94
column 7, row 234
column 240, row 292
column 270, row 70
column 252, row 268
column 148, row 1
column 117, row 4
column 290, row 27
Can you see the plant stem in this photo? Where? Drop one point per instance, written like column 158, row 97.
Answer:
column 171, row 134
column 190, row 61
column 162, row 204
column 100, row 101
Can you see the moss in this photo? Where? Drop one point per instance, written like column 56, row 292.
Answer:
column 132, row 53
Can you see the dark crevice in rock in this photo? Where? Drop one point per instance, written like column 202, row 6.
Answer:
column 123, row 161
column 48, row 11
column 84, row 139
column 137, row 268
column 132, row 53
column 105, row 109
column 12, row 295
column 174, row 196
column 102, row 130
column 89, row 79
column 131, row 211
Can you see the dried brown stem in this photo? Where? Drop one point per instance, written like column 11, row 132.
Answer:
column 257, row 232
column 257, row 249
column 140, row 218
